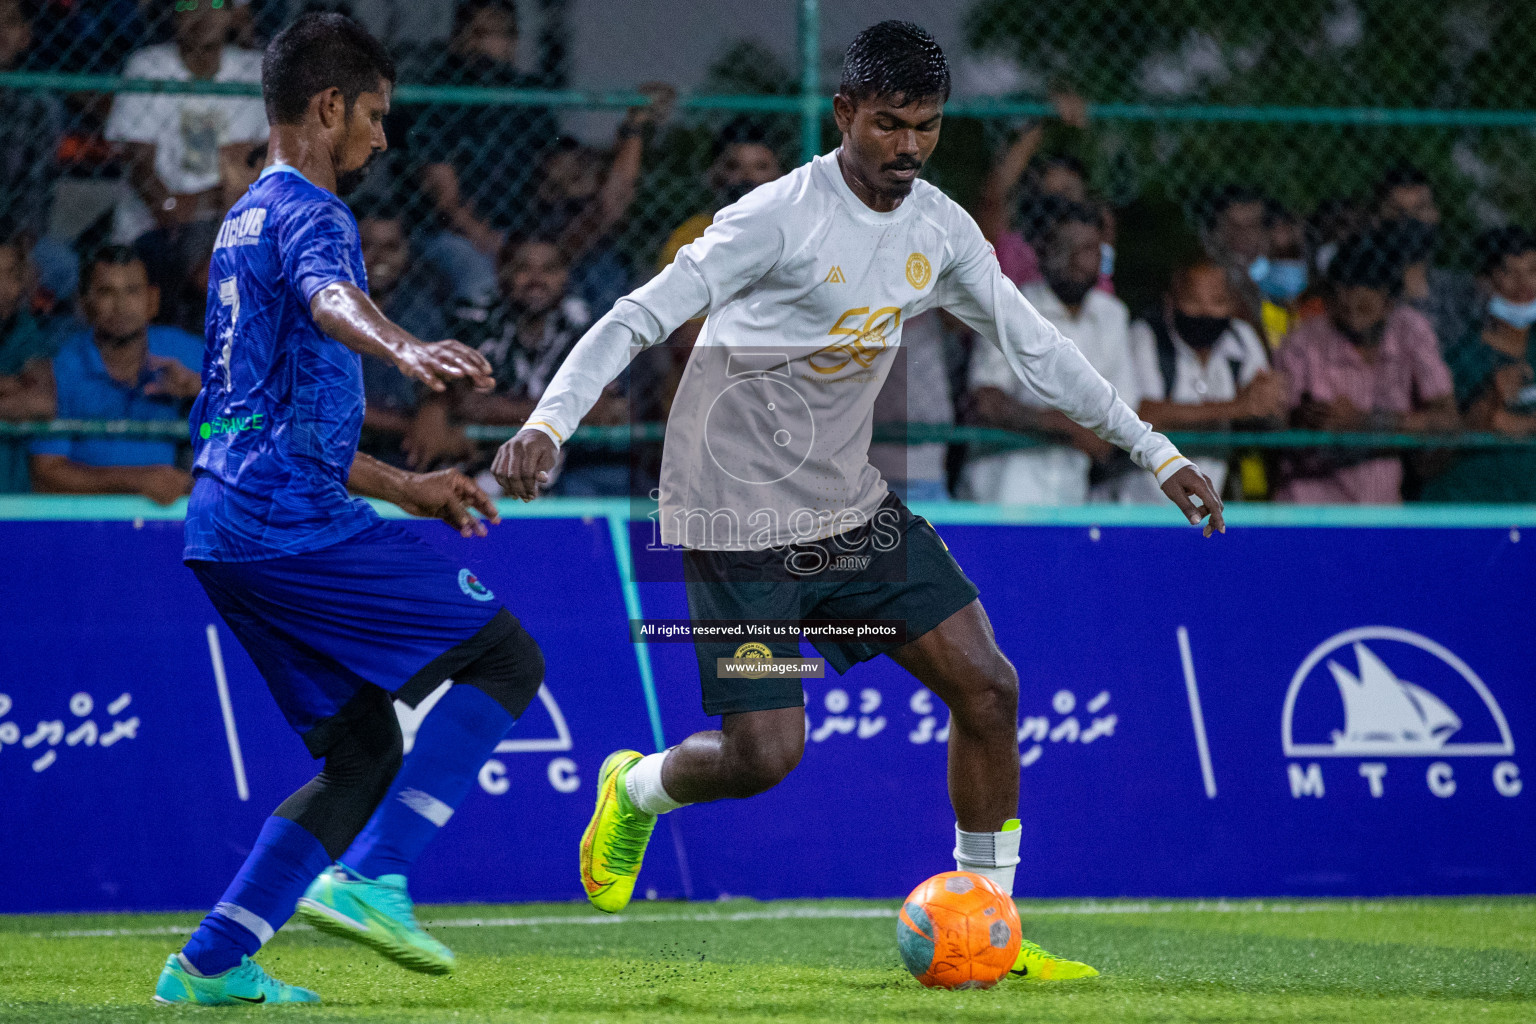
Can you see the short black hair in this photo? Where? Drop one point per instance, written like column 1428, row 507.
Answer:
column 516, row 242
column 1053, row 213
column 742, row 130
column 1401, row 175
column 1047, row 161
column 316, row 53
column 1496, row 245
column 464, row 12
column 1372, row 259
column 108, row 256
column 895, row 58
column 1224, row 198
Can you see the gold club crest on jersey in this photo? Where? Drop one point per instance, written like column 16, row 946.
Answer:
column 919, row 271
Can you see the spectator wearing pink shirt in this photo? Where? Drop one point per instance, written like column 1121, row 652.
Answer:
column 1371, row 364
column 1050, row 179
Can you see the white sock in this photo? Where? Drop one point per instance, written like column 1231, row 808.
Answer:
column 643, row 784
column 992, row 855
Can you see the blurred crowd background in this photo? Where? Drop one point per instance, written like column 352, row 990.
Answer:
column 1293, row 232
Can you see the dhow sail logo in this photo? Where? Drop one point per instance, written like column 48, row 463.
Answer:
column 1380, row 692
column 1446, row 712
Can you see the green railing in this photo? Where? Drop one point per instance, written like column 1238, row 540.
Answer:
column 909, row 433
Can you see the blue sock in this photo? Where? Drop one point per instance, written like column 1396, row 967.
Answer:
column 456, row 738
column 285, row 859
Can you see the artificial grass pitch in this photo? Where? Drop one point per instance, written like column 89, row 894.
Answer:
column 833, row 962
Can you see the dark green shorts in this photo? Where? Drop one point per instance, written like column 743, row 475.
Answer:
column 894, row 568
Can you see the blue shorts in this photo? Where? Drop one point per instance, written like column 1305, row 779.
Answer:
column 380, row 608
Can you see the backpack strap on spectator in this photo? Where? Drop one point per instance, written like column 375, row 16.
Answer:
column 1167, row 355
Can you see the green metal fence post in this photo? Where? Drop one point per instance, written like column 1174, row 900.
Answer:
column 810, row 79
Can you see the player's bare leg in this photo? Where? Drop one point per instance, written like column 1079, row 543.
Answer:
column 960, row 662
column 752, row 751
column 749, row 754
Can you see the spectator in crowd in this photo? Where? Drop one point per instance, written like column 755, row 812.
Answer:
column 743, row 160
column 26, row 345
column 582, row 197
column 119, row 368
column 916, row 391
column 1335, row 220
column 575, row 195
column 1286, row 276
column 31, row 126
column 1235, row 232
column 1098, row 323
column 1371, row 364
column 525, row 335
column 1495, row 375
column 1198, row 367
column 1044, row 179
column 1406, row 206
column 184, row 152
column 478, row 187
column 397, row 427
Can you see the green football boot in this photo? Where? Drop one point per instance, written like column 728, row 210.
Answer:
column 245, row 985
column 614, row 843
column 377, row 913
column 1035, row 964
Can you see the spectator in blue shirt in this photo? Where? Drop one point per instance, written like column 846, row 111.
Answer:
column 119, row 367
column 26, row 344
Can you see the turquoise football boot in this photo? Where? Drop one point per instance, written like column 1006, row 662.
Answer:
column 377, row 913
column 245, row 985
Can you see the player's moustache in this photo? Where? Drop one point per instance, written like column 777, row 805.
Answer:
column 904, row 163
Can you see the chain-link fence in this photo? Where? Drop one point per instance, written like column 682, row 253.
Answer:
column 1264, row 133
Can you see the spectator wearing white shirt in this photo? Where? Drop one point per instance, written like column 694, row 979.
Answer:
column 180, row 148
column 1098, row 323
column 1199, row 367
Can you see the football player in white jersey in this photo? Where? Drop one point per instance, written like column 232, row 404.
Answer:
column 766, row 482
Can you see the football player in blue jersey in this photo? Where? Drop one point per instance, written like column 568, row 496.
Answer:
column 339, row 609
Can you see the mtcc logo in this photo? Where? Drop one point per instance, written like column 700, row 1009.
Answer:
column 1379, row 692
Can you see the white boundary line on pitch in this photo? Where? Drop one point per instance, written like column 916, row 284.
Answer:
column 817, row 913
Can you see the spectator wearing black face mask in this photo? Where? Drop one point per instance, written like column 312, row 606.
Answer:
column 1409, row 218
column 1372, row 363
column 1198, row 367
column 1098, row 323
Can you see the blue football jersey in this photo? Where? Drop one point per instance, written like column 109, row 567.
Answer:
column 276, row 425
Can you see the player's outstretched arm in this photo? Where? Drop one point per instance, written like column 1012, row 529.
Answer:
column 346, row 313
column 447, row 494
column 742, row 245
column 975, row 290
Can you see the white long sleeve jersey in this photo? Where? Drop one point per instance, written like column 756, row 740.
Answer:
column 806, row 289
